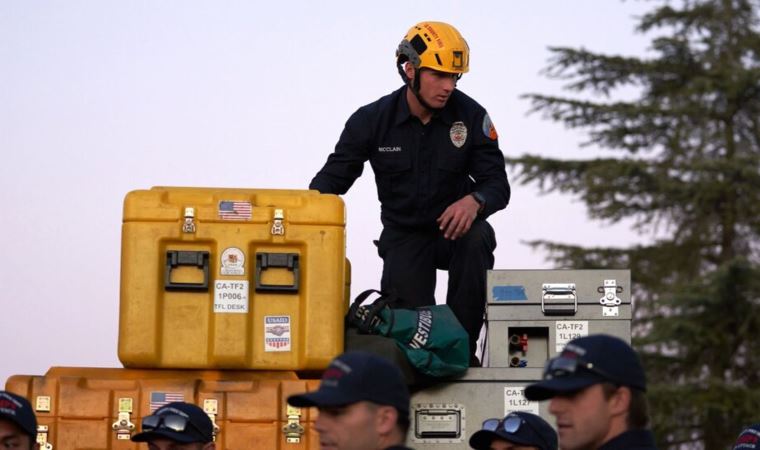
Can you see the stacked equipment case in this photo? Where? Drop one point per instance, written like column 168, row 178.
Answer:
column 224, row 294
column 531, row 315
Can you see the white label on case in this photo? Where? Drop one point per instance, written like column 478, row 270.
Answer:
column 276, row 333
column 231, row 296
column 567, row 330
column 514, row 400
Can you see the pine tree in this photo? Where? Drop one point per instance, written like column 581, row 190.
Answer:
column 687, row 172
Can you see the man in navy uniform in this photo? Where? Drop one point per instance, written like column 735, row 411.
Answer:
column 177, row 426
column 597, row 390
column 363, row 404
column 439, row 175
column 18, row 424
column 519, row 430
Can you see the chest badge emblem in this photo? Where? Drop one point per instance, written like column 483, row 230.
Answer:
column 458, row 134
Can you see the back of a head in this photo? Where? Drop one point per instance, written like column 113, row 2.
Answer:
column 179, row 422
column 519, row 428
column 749, row 438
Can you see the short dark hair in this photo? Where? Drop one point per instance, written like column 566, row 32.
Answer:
column 402, row 422
column 402, row 419
column 638, row 408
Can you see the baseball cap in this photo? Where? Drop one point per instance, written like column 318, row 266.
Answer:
column 520, row 428
column 18, row 410
column 179, row 422
column 358, row 376
column 589, row 360
column 749, row 438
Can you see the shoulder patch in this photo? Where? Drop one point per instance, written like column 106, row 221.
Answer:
column 488, row 129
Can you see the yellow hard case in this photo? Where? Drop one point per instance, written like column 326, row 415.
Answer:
column 89, row 408
column 217, row 278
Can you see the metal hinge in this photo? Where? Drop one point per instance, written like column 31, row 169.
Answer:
column 610, row 301
column 293, row 430
column 42, row 438
column 278, row 228
column 123, row 425
column 189, row 225
column 211, row 408
column 42, row 403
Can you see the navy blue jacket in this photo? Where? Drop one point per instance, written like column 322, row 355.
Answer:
column 419, row 169
column 631, row 440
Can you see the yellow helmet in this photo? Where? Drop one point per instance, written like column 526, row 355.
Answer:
column 434, row 45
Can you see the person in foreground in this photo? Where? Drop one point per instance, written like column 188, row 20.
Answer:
column 517, row 431
column 177, row 426
column 749, row 438
column 597, row 390
column 363, row 404
column 18, row 424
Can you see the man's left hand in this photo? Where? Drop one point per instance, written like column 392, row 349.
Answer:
column 458, row 217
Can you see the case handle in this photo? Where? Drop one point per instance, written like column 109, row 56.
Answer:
column 284, row 260
column 176, row 258
column 559, row 299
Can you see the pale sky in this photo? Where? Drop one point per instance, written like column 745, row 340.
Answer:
column 98, row 98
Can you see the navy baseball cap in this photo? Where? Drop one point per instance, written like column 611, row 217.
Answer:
column 180, row 422
column 586, row 361
column 518, row 427
column 358, row 376
column 749, row 438
column 18, row 410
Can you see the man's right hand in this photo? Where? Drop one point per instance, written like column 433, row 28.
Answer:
column 457, row 219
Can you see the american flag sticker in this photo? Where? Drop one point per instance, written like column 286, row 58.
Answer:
column 159, row 399
column 277, row 334
column 235, row 210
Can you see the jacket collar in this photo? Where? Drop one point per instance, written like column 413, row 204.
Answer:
column 446, row 115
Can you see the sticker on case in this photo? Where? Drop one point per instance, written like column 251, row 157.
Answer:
column 231, row 296
column 567, row 330
column 233, row 261
column 235, row 210
column 277, row 333
column 514, row 401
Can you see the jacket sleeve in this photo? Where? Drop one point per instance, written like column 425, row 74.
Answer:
column 487, row 167
column 346, row 163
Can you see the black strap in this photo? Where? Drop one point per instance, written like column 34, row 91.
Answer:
column 364, row 322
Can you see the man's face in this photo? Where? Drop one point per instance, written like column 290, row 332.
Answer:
column 11, row 437
column 499, row 444
column 166, row 444
column 436, row 87
column 350, row 427
column 583, row 418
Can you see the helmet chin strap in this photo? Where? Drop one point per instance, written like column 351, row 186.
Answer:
column 415, row 87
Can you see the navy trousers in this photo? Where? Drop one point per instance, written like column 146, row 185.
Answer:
column 410, row 260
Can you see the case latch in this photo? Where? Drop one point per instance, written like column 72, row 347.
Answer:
column 610, row 301
column 293, row 430
column 42, row 438
column 211, row 408
column 42, row 403
column 278, row 227
column 189, row 225
column 123, row 425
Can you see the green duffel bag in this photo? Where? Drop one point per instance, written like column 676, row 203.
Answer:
column 432, row 338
